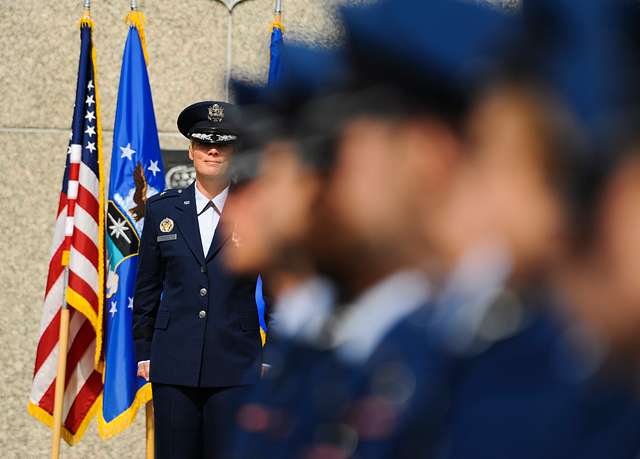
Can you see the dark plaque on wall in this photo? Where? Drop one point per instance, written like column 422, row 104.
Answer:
column 179, row 172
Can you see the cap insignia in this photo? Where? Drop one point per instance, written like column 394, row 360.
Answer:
column 216, row 113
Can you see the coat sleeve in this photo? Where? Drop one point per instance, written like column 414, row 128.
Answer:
column 148, row 289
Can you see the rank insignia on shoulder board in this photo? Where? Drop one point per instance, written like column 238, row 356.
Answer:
column 166, row 225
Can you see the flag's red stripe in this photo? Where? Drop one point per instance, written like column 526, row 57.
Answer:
column 71, row 205
column 85, row 290
column 55, row 268
column 46, row 402
column 74, row 171
column 86, row 246
column 88, row 201
column 61, row 203
column 77, row 350
column 83, row 402
column 49, row 339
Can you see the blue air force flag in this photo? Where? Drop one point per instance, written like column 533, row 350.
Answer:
column 277, row 41
column 136, row 174
column 275, row 49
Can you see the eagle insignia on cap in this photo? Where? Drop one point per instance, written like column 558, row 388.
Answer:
column 216, row 113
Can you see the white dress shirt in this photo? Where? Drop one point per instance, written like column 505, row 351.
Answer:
column 209, row 219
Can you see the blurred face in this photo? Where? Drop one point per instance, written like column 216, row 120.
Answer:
column 272, row 214
column 210, row 161
column 369, row 217
column 619, row 319
column 508, row 151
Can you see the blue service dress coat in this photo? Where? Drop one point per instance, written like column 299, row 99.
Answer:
column 195, row 320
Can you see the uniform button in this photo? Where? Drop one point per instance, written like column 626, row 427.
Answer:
column 202, row 314
column 203, row 291
column 203, row 268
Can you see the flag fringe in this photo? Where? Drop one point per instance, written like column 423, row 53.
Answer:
column 70, row 439
column 80, row 304
column 136, row 19
column 87, row 21
column 125, row 419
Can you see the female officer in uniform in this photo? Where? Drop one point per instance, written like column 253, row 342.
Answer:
column 195, row 324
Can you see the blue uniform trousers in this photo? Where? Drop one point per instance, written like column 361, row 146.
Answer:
column 194, row 422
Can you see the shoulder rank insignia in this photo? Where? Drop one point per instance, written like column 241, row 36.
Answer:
column 216, row 113
column 166, row 225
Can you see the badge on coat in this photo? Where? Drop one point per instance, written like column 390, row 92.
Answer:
column 166, row 225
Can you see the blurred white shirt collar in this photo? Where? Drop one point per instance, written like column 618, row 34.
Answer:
column 302, row 312
column 366, row 322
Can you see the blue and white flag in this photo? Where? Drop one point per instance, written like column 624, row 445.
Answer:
column 136, row 174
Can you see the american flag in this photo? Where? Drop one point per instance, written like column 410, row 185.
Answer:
column 78, row 245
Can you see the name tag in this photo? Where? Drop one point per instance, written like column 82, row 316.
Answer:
column 167, row 237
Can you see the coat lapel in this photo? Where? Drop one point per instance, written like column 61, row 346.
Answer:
column 188, row 222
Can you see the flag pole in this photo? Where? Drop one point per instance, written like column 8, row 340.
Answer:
column 63, row 343
column 149, row 424
column 150, row 430
column 278, row 10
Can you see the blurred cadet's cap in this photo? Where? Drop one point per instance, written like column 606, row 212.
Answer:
column 271, row 112
column 590, row 61
column 432, row 51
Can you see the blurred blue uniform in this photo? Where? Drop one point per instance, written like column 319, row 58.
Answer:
column 475, row 372
column 276, row 419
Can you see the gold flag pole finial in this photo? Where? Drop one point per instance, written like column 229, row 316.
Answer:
column 86, row 14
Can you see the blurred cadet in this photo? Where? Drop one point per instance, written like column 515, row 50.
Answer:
column 504, row 351
column 598, row 280
column 195, row 324
column 276, row 187
column 530, row 136
column 597, row 274
column 398, row 151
